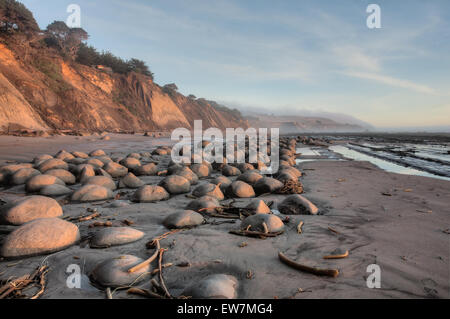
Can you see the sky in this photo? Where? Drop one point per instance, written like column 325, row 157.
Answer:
column 284, row 56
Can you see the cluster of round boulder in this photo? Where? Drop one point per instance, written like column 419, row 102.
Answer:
column 82, row 177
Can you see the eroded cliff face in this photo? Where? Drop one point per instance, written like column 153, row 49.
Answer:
column 39, row 90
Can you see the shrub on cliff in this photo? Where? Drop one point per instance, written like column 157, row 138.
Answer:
column 14, row 16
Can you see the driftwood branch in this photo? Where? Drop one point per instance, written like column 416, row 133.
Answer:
column 148, row 261
column 312, row 270
column 340, row 256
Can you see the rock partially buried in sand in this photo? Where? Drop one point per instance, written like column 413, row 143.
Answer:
column 38, row 237
column 240, row 189
column 101, row 181
column 22, row 175
column 228, row 170
column 66, row 176
column 55, row 190
column 30, row 208
column 130, row 181
column 201, row 170
column 91, row 193
column 147, row 169
column 97, row 153
column 208, row 189
column 187, row 173
column 218, row 286
column 267, row 185
column 113, row 236
column 131, row 163
column 53, row 163
column 115, row 170
column 250, row 177
column 183, row 219
column 258, row 206
column 205, row 204
column 223, row 181
column 150, row 194
column 175, row 184
column 297, row 205
column 37, row 182
column 113, row 272
column 274, row 223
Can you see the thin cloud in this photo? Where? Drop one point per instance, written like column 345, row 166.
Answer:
column 392, row 81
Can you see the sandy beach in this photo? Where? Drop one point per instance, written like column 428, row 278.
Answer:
column 399, row 222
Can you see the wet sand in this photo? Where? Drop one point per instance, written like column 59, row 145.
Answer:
column 396, row 232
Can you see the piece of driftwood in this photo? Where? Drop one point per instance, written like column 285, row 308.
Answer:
column 299, row 227
column 251, row 233
column 13, row 288
column 147, row 261
column 152, row 243
column 161, row 278
column 108, row 293
column 333, row 230
column 144, row 292
column 312, row 270
column 339, row 256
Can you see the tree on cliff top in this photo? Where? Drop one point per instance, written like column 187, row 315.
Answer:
column 139, row 66
column 67, row 40
column 14, row 16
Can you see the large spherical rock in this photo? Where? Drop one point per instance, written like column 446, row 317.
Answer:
column 96, row 163
column 11, row 169
column 175, row 184
column 201, row 170
column 240, row 189
column 115, row 170
column 228, row 170
column 22, row 175
column 187, row 173
column 183, row 219
column 147, row 169
column 101, row 181
column 150, row 193
column 205, row 204
column 131, row 163
column 223, row 181
column 52, row 163
column 208, row 189
column 55, row 190
column 66, row 176
column 80, row 154
column 250, row 177
column 218, row 286
column 113, row 236
column 40, row 236
column 130, row 181
column 30, row 208
column 297, row 205
column 267, row 185
column 86, row 173
column 113, row 272
column 35, row 183
column 64, row 155
column 273, row 222
column 258, row 206
column 91, row 193
column 97, row 153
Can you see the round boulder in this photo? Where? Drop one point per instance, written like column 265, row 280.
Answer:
column 30, row 208
column 209, row 190
column 35, row 183
column 207, row 204
column 250, row 177
column 55, row 190
column 147, row 169
column 150, row 193
column 22, row 175
column 258, row 206
column 113, row 272
column 183, row 219
column 115, row 170
column 274, row 223
column 176, row 184
column 267, row 185
column 52, row 163
column 297, row 205
column 130, row 181
column 219, row 286
column 228, row 170
column 240, row 189
column 113, row 236
column 66, row 176
column 101, row 181
column 40, row 236
column 91, row 193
